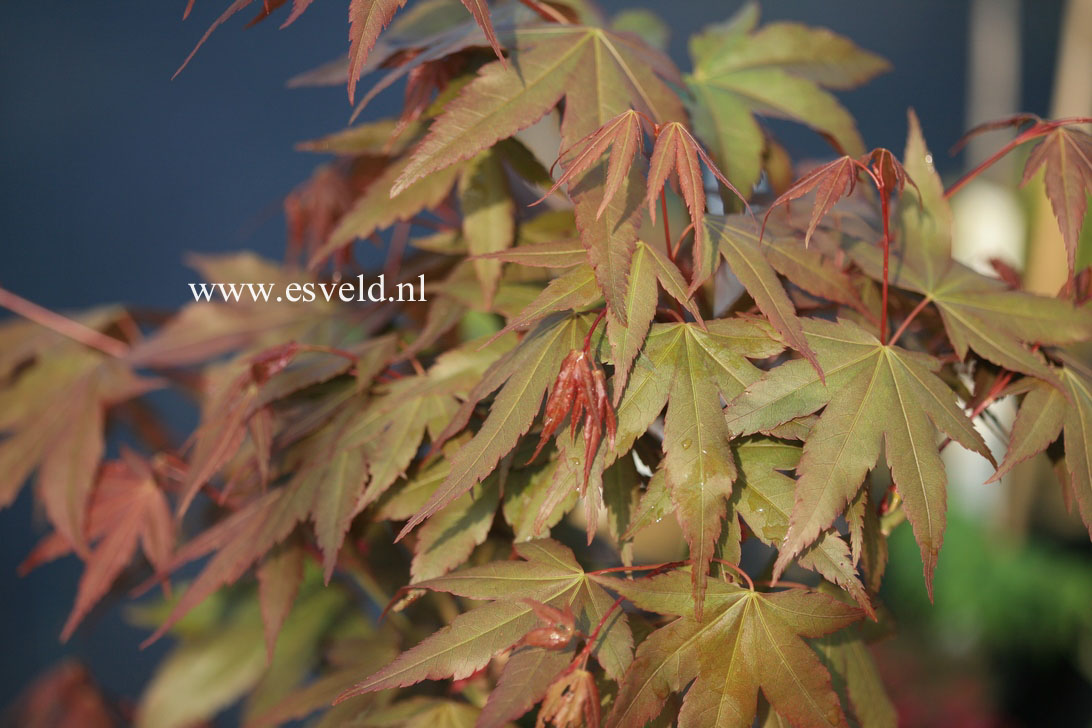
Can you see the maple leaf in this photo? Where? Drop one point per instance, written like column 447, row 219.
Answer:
column 447, row 539
column 66, row 694
column 1065, row 155
column 127, row 508
column 218, row 662
column 1046, row 412
column 573, row 290
column 549, row 575
column 279, row 579
column 760, row 646
column 830, row 182
column 743, row 254
column 648, row 266
column 778, row 70
column 806, row 267
column 571, row 701
column 368, row 18
column 623, row 136
column 979, row 313
column 238, row 541
column 488, row 216
column 53, row 415
column 856, row 677
column 690, row 370
column 526, row 677
column 228, row 412
column 874, row 394
column 526, row 376
column 375, row 209
column 550, row 63
column 765, row 502
column 600, row 75
column 983, row 314
column 676, row 150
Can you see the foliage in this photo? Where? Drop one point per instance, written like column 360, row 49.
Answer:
column 412, row 458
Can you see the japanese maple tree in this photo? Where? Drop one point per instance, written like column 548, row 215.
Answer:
column 637, row 308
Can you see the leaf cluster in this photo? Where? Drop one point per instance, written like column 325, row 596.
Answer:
column 381, row 495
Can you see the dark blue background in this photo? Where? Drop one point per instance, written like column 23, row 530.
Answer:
column 110, row 173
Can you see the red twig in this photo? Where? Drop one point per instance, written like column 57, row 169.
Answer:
column 673, row 313
column 906, row 322
column 63, row 325
column 1038, row 130
column 650, row 567
column 736, row 569
column 885, row 211
column 318, row 349
column 785, row 583
column 582, row 658
column 546, row 12
column 587, row 339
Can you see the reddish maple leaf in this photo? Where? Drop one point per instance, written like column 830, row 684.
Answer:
column 830, row 182
column 623, row 136
column 127, row 507
column 677, row 151
column 1065, row 156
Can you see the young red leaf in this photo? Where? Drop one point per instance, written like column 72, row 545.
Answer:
column 830, row 182
column 621, row 135
column 127, row 508
column 677, row 151
column 367, row 19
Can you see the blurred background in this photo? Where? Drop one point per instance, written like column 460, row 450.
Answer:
column 110, row 173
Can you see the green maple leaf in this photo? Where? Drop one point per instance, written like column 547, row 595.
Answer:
column 739, row 246
column 523, row 682
column 526, row 375
column 690, row 369
column 856, row 678
column 778, row 70
column 747, row 641
column 489, row 223
column 874, row 394
column 550, row 575
column 765, row 501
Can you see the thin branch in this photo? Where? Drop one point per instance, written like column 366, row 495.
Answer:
column 906, row 322
column 736, row 569
column 650, row 567
column 587, row 339
column 63, row 325
column 886, row 213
